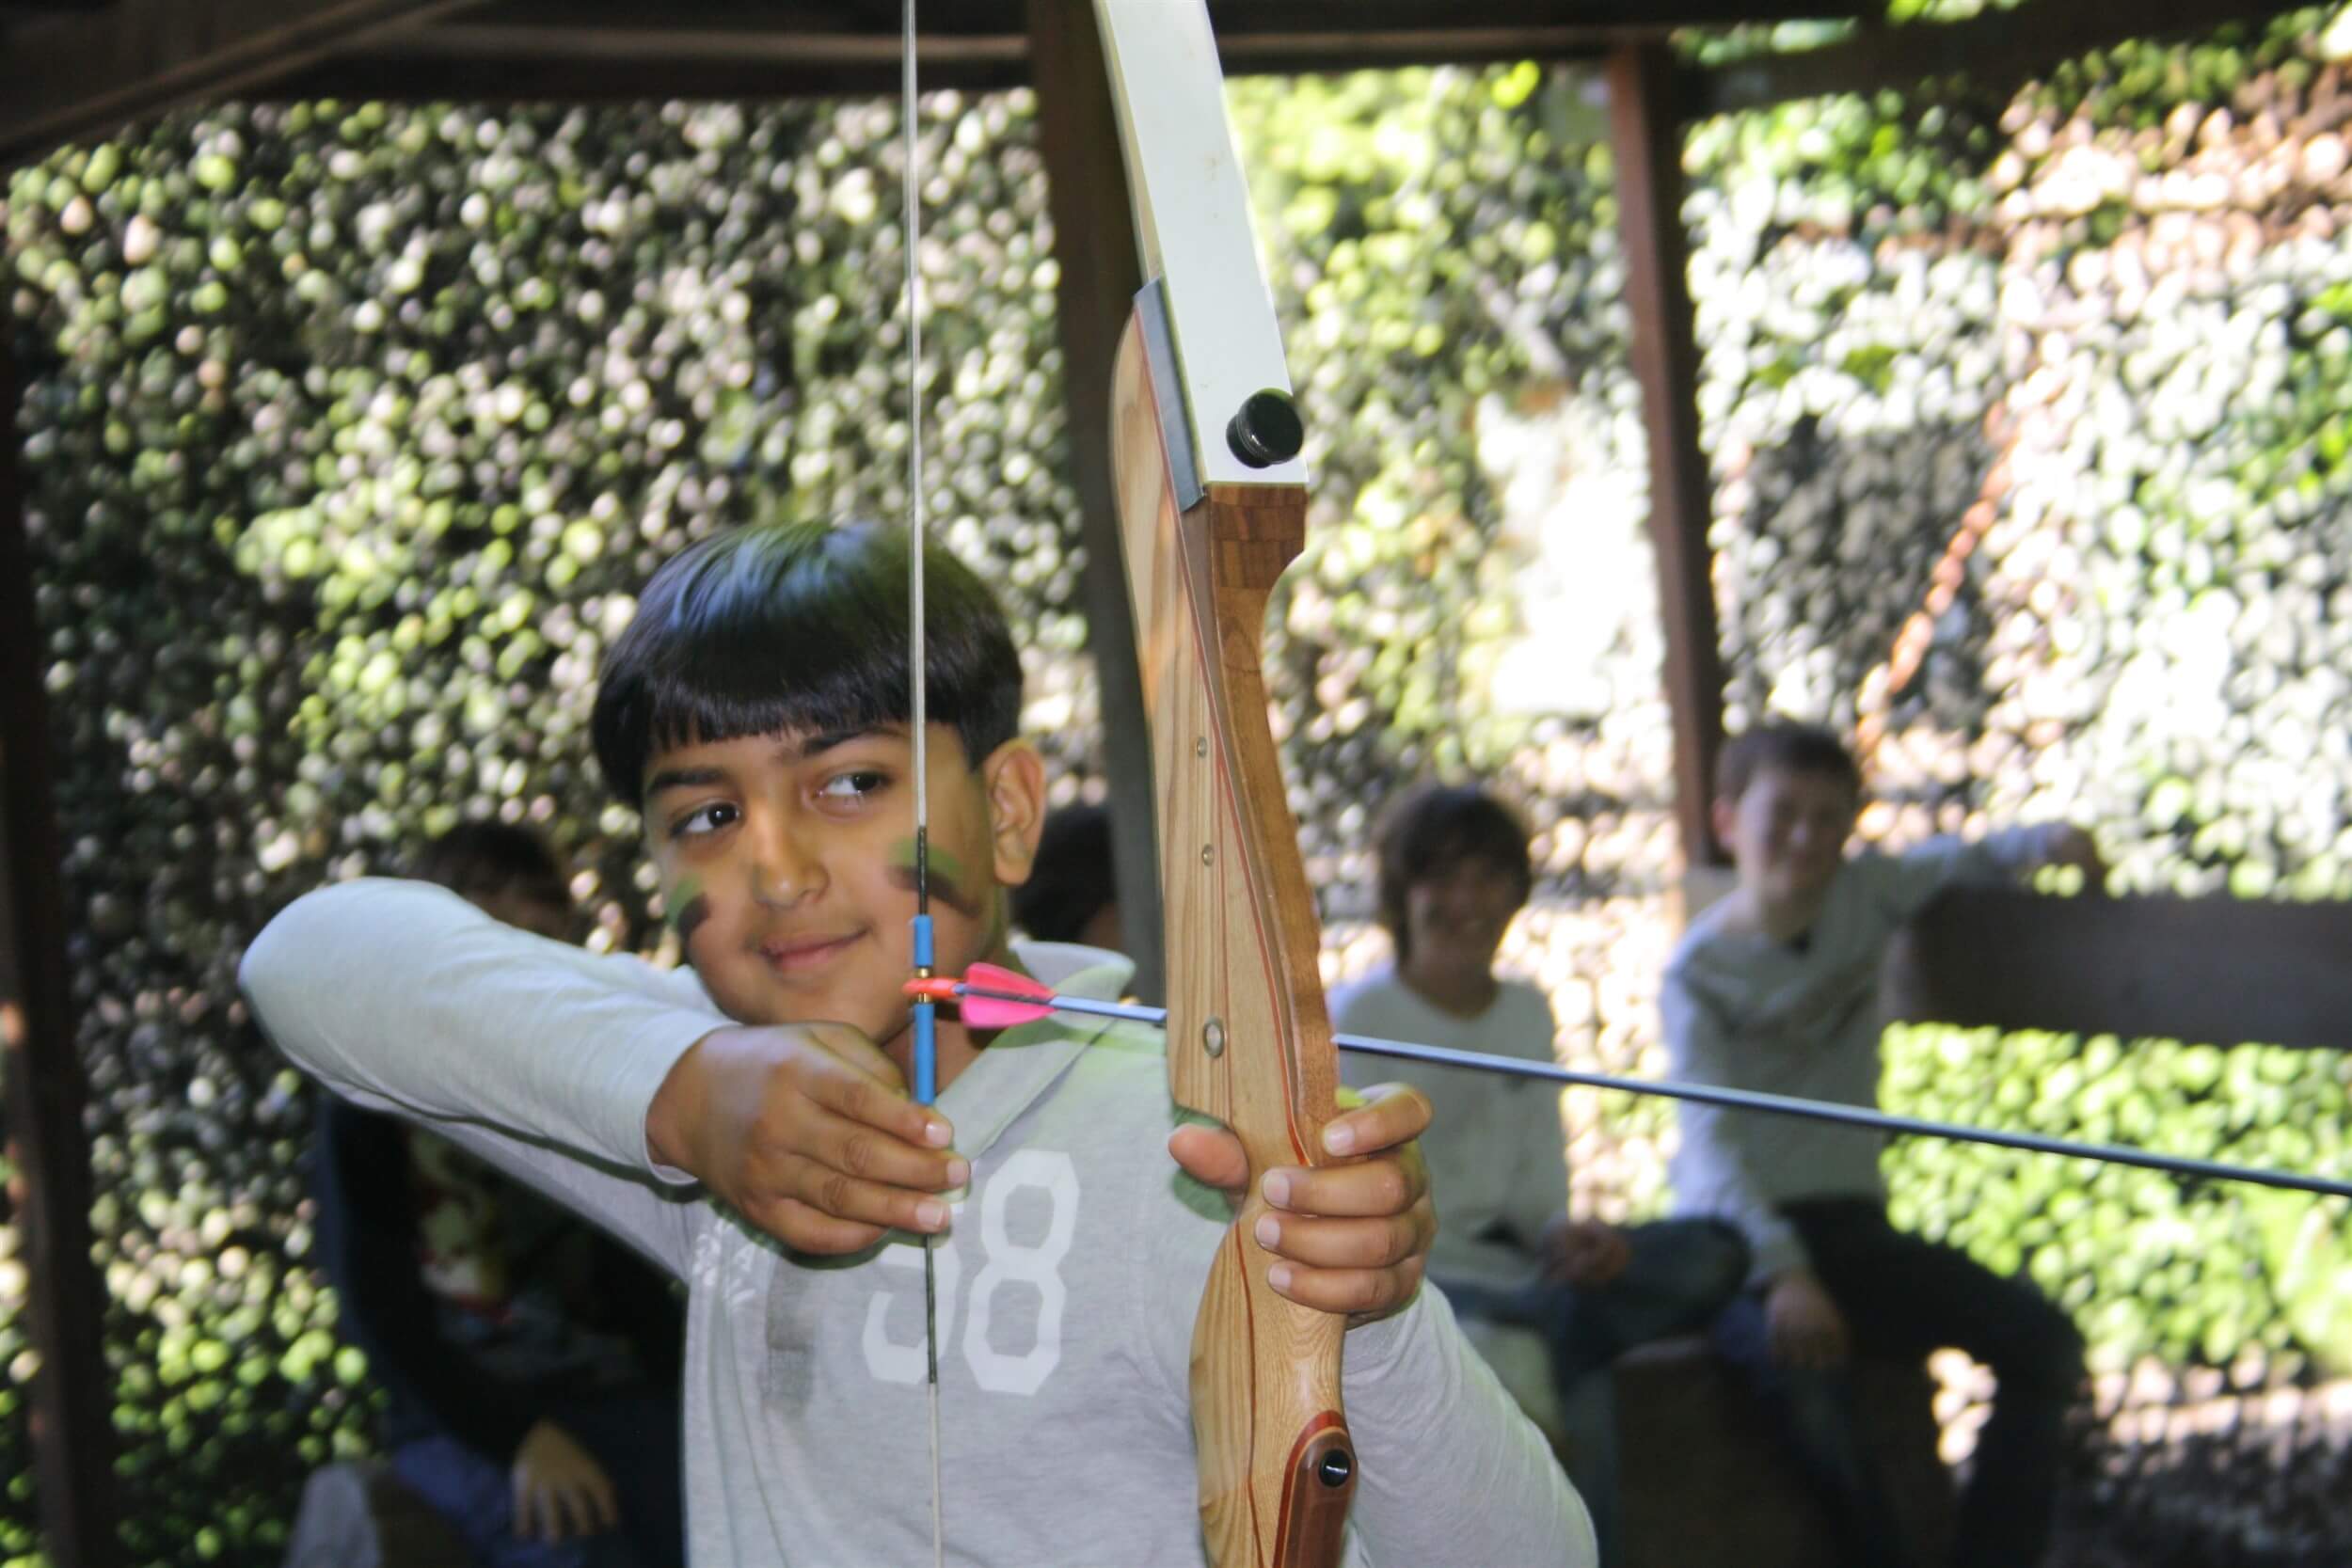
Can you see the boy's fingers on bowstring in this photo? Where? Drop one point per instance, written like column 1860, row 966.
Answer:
column 811, row 1230
column 868, row 1087
column 796, row 1185
column 854, row 1150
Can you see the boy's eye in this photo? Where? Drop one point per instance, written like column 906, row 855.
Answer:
column 854, row 785
column 704, row 820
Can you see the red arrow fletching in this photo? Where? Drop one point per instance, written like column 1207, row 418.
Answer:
column 1019, row 999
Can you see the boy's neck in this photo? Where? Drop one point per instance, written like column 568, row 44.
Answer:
column 1458, row 994
column 1787, row 920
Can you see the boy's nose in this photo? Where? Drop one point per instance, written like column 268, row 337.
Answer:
column 783, row 870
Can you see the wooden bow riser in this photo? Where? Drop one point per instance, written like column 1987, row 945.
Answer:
column 1249, row 1037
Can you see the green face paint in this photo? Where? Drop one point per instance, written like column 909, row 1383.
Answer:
column 950, row 883
column 686, row 908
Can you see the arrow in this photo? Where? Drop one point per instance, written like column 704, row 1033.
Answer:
column 995, row 998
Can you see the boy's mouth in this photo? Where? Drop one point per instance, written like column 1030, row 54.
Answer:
column 803, row 954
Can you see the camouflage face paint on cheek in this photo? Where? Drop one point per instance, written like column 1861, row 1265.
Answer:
column 950, row 883
column 686, row 908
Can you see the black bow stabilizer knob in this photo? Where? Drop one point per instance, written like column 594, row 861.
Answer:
column 1266, row 430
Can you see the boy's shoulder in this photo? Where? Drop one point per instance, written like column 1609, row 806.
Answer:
column 1713, row 936
column 1724, row 934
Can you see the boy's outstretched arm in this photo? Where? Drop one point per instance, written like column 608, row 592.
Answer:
column 1913, row 879
column 1451, row 1471
column 540, row 1056
column 404, row 998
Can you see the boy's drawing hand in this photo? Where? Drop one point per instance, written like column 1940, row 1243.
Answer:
column 805, row 1131
column 1584, row 1253
column 560, row 1490
column 1806, row 1329
column 1353, row 1238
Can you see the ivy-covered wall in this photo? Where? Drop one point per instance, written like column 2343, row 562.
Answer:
column 352, row 429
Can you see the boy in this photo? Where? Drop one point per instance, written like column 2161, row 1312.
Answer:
column 531, row 1361
column 1774, row 989
column 1070, row 895
column 1453, row 874
column 754, row 711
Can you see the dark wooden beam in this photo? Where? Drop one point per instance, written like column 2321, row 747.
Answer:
column 606, row 50
column 1232, row 20
column 44, row 1086
column 2215, row 971
column 1647, row 132
column 1997, row 51
column 1095, row 245
column 83, row 75
column 512, row 63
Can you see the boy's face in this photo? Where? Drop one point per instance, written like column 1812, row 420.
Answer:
column 1454, row 919
column 787, row 865
column 1786, row 831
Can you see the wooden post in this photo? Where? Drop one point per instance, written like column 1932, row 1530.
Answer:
column 1647, row 135
column 74, row 1440
column 1095, row 246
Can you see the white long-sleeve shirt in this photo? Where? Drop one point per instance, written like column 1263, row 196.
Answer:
column 1067, row 1287
column 1743, row 1010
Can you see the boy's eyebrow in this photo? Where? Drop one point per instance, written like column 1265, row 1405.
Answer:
column 684, row 778
column 815, row 745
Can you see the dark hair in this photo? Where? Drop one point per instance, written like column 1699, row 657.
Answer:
column 1071, row 879
column 800, row 626
column 1434, row 828
column 477, row 859
column 1785, row 746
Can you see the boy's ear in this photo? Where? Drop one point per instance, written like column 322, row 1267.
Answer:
column 1724, row 815
column 1014, row 779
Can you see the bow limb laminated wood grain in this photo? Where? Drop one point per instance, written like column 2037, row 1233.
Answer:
column 1212, row 504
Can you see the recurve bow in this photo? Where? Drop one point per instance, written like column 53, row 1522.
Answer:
column 1211, row 502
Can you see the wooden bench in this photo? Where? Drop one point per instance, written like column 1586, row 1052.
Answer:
column 1708, row 1481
